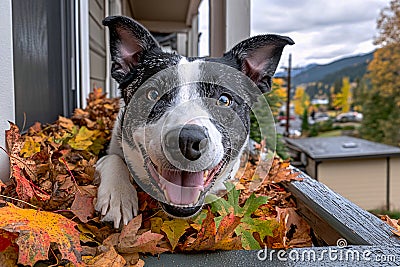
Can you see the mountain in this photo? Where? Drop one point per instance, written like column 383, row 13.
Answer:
column 352, row 67
column 295, row 71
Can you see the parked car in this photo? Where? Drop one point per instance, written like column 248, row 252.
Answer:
column 319, row 117
column 349, row 117
column 283, row 117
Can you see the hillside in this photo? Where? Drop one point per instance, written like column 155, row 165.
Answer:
column 352, row 67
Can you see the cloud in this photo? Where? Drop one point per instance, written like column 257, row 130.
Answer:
column 323, row 30
column 288, row 15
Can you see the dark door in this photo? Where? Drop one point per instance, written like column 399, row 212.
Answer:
column 43, row 36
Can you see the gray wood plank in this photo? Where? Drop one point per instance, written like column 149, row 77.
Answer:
column 317, row 256
column 332, row 216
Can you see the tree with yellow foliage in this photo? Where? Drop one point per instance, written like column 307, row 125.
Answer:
column 342, row 100
column 301, row 101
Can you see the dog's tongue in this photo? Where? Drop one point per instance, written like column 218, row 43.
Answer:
column 184, row 187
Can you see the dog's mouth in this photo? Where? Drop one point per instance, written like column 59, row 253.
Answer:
column 184, row 191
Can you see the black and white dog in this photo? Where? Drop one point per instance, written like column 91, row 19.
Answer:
column 184, row 148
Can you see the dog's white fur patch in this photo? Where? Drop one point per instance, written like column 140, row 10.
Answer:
column 117, row 198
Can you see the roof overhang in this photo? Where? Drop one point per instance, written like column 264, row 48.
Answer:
column 164, row 16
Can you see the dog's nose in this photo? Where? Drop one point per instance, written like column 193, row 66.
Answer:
column 192, row 140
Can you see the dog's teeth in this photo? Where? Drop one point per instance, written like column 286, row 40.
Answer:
column 161, row 185
column 197, row 197
column 166, row 195
column 205, row 176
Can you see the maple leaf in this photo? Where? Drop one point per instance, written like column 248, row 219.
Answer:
column 37, row 229
column 174, row 229
column 212, row 238
column 248, row 225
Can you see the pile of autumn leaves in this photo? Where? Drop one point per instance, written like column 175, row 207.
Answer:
column 47, row 212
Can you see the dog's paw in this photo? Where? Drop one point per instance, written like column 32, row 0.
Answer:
column 116, row 197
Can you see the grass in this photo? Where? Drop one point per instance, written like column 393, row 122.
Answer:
column 331, row 133
column 391, row 214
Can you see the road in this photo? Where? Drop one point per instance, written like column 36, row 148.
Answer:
column 294, row 125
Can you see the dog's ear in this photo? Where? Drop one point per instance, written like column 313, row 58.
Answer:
column 258, row 57
column 128, row 41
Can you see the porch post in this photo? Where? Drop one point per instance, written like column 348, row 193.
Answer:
column 229, row 24
column 7, row 105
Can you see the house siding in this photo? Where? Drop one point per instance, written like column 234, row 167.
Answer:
column 362, row 181
column 97, row 44
column 395, row 183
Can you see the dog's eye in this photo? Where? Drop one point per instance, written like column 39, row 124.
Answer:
column 152, row 94
column 224, row 100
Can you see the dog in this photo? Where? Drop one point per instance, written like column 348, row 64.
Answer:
column 181, row 150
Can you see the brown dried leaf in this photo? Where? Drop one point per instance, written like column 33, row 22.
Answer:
column 83, row 206
column 109, row 258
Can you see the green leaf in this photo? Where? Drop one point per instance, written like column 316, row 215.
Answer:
column 248, row 241
column 252, row 204
column 220, row 205
column 198, row 220
column 263, row 227
column 248, row 225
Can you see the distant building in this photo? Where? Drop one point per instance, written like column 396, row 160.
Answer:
column 319, row 101
column 367, row 173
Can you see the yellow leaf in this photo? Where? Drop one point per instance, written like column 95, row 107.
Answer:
column 108, row 106
column 30, row 147
column 174, row 229
column 84, row 134
column 156, row 224
column 82, row 140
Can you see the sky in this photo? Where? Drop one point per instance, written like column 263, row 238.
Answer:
column 323, row 31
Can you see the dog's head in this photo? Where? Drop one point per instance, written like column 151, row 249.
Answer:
column 184, row 133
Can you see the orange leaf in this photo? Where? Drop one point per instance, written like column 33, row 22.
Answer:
column 206, row 236
column 37, row 229
column 227, row 228
column 210, row 238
